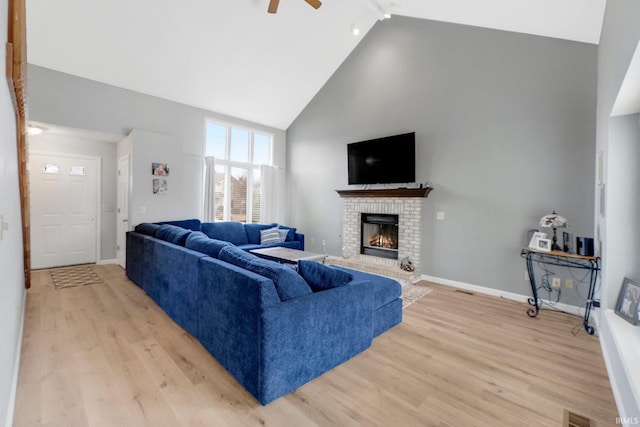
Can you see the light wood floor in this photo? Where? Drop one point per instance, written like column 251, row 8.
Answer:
column 105, row 354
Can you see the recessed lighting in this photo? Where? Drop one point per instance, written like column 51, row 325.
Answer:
column 387, row 15
column 355, row 30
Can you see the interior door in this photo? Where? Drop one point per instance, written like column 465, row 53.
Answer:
column 63, row 199
column 122, row 210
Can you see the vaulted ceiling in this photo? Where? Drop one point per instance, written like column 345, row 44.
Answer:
column 233, row 58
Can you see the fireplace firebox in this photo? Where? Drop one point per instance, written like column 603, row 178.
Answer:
column 379, row 235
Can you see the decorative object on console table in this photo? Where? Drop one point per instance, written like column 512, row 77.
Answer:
column 554, row 221
column 628, row 299
column 567, row 240
column 584, row 246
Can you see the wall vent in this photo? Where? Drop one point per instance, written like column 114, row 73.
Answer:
column 571, row 419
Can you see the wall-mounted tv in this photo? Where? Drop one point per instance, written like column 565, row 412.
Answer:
column 387, row 160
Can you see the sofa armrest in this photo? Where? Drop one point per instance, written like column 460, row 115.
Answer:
column 307, row 336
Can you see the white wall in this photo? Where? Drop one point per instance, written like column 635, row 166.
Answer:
column 11, row 265
column 619, row 340
column 183, row 198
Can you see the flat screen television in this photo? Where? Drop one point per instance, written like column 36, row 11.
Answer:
column 387, row 160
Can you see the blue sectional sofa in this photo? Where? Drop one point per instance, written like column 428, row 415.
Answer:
column 273, row 328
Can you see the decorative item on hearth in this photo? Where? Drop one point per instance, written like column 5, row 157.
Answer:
column 554, row 221
column 406, row 264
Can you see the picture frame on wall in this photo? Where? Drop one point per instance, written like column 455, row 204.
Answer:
column 160, row 169
column 544, row 245
column 533, row 243
column 628, row 301
column 160, row 186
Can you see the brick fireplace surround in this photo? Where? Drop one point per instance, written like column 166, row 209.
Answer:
column 406, row 203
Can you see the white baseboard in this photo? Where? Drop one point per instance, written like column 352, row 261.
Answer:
column 16, row 369
column 107, row 261
column 572, row 309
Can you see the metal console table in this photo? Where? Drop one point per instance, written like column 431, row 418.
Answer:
column 561, row 259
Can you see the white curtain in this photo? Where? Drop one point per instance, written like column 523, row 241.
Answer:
column 272, row 194
column 209, row 213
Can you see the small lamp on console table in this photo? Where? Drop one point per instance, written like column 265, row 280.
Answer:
column 554, row 221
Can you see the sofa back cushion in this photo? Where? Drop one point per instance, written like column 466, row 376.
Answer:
column 288, row 283
column 189, row 224
column 147, row 228
column 320, row 277
column 253, row 231
column 229, row 231
column 198, row 241
column 173, row 234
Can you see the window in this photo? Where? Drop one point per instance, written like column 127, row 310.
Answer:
column 238, row 154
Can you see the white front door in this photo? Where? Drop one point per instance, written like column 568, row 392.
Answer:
column 122, row 210
column 63, row 210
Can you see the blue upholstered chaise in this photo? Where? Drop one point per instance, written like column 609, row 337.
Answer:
column 261, row 320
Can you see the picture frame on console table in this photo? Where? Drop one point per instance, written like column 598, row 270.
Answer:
column 533, row 243
column 627, row 306
column 544, row 245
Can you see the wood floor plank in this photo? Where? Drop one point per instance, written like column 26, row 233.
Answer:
column 106, row 354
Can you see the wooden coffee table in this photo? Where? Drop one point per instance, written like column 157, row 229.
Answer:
column 288, row 255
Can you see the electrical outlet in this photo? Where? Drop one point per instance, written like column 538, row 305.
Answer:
column 526, row 275
column 312, row 240
column 568, row 283
column 556, row 283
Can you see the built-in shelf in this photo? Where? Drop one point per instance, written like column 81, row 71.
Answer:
column 387, row 192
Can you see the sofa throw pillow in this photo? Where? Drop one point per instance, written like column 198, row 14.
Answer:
column 229, row 231
column 253, row 231
column 320, row 277
column 291, row 233
column 270, row 236
column 198, row 241
column 288, row 284
column 147, row 228
column 173, row 234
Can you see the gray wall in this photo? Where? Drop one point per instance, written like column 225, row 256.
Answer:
column 505, row 129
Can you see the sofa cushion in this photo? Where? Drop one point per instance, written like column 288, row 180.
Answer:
column 147, row 228
column 253, row 231
column 229, row 231
column 269, row 236
column 291, row 232
column 188, row 224
column 292, row 245
column 385, row 289
column 173, row 234
column 198, row 241
column 288, row 283
column 319, row 277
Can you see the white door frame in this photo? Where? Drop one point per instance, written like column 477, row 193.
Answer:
column 121, row 238
column 97, row 189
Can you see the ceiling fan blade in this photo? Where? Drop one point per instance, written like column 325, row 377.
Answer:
column 273, row 6
column 314, row 3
